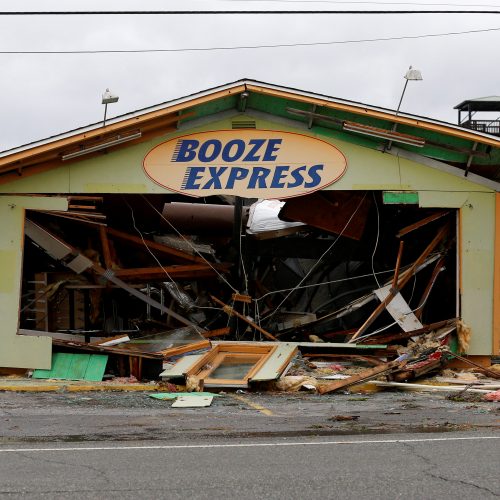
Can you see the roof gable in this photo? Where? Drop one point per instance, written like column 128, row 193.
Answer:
column 460, row 147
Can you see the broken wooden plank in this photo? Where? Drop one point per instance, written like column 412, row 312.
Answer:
column 397, row 337
column 404, row 278
column 422, row 222
column 398, row 264
column 106, row 252
column 364, row 376
column 219, row 332
column 231, row 312
column 354, row 357
column 82, row 346
column 165, row 273
column 486, row 371
column 437, row 269
column 412, row 372
column 153, row 245
column 238, row 297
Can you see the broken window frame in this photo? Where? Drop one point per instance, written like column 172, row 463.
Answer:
column 220, row 353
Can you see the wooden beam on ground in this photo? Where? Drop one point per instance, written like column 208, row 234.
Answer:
column 364, row 376
column 486, row 371
column 355, row 357
column 409, row 373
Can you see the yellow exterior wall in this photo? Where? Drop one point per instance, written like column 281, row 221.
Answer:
column 121, row 172
column 17, row 351
column 496, row 280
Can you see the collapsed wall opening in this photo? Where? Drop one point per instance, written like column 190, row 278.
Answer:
column 311, row 267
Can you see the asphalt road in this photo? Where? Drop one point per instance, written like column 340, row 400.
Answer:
column 410, row 466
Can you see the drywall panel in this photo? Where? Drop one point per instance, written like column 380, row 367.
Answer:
column 17, row 351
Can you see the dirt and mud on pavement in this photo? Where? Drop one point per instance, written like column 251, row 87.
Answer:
column 134, row 416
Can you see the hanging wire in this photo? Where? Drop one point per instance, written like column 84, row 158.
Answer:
column 319, row 260
column 159, row 263
column 241, row 255
column 190, row 244
column 323, row 283
column 376, row 241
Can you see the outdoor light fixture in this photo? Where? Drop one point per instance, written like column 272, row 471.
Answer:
column 381, row 133
column 103, row 145
column 108, row 98
column 411, row 74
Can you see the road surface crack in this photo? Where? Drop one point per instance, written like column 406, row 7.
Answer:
column 431, row 466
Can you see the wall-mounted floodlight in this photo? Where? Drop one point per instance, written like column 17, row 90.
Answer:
column 108, row 98
column 381, row 133
column 101, row 146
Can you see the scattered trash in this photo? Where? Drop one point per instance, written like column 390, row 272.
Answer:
column 175, row 395
column 192, row 401
column 314, row 293
column 295, row 383
column 492, row 396
column 344, row 418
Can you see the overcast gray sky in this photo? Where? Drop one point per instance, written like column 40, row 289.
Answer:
column 42, row 95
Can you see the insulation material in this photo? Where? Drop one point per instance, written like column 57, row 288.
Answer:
column 264, row 218
column 464, row 333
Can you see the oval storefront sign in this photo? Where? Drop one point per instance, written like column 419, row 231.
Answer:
column 249, row 163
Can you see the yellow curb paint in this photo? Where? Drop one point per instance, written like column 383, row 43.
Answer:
column 253, row 405
column 26, row 388
column 77, row 388
column 117, row 387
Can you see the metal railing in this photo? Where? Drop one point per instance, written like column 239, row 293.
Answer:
column 486, row 126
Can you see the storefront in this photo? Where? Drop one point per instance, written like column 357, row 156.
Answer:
column 169, row 194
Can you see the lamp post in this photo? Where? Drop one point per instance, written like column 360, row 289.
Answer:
column 411, row 74
column 108, row 98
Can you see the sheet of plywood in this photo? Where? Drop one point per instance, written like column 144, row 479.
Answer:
column 66, row 366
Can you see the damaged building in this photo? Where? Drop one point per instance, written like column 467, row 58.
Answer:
column 217, row 235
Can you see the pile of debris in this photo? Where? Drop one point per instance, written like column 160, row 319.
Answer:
column 327, row 291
